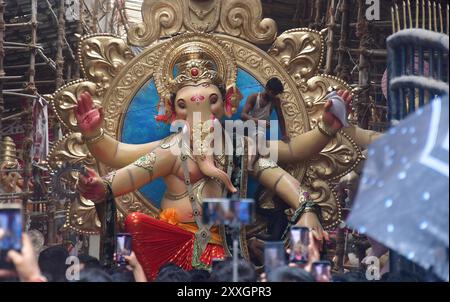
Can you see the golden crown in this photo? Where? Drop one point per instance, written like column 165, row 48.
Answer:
column 190, row 59
column 194, row 68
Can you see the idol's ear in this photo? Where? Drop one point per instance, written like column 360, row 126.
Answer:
column 232, row 99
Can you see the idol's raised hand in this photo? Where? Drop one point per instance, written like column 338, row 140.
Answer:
column 91, row 186
column 89, row 117
column 329, row 118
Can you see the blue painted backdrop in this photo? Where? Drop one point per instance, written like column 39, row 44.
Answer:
column 140, row 126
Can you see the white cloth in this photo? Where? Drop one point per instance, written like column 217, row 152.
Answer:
column 261, row 113
column 39, row 150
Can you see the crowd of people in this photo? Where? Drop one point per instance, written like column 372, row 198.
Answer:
column 54, row 264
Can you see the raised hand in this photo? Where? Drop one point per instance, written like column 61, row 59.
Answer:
column 311, row 221
column 88, row 116
column 329, row 118
column 91, row 186
column 26, row 262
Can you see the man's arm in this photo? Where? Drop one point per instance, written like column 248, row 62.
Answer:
column 281, row 121
column 249, row 105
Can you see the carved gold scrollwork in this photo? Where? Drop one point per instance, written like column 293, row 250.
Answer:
column 102, row 56
column 337, row 159
column 242, row 19
column 300, row 52
column 81, row 217
column 322, row 194
column 160, row 19
column 201, row 16
column 80, row 212
column 65, row 99
column 71, row 149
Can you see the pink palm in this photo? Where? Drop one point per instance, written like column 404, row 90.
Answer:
column 88, row 116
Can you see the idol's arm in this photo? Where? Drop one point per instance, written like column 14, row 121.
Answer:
column 288, row 189
column 363, row 138
column 158, row 163
column 90, row 119
column 116, row 154
column 301, row 147
column 155, row 164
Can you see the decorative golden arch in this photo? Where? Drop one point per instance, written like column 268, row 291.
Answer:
column 113, row 75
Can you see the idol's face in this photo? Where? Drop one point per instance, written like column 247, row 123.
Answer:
column 204, row 98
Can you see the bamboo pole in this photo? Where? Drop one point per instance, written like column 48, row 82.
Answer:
column 2, row 56
column 417, row 13
column 364, row 66
column 330, row 39
column 394, row 30
column 397, row 14
column 405, row 21
column 435, row 17
column 59, row 46
column 430, row 16
column 76, row 72
column 410, row 14
column 342, row 69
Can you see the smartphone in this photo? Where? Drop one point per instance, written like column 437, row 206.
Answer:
column 274, row 255
column 321, row 270
column 10, row 231
column 227, row 211
column 299, row 240
column 123, row 248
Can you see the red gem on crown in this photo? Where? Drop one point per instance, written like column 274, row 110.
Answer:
column 194, row 72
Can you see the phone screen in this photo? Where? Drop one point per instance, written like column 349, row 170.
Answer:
column 321, row 271
column 299, row 245
column 274, row 255
column 123, row 248
column 226, row 211
column 10, row 231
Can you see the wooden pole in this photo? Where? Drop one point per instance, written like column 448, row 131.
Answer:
column 364, row 66
column 342, row 69
column 59, row 46
column 77, row 69
column 2, row 56
column 330, row 39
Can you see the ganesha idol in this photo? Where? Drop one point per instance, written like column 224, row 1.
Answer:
column 196, row 82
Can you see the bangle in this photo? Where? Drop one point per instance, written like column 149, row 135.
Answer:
column 306, row 206
column 93, row 140
column 325, row 129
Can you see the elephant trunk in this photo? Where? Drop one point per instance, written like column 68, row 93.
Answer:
column 204, row 155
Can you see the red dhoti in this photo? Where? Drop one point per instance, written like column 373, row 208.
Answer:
column 157, row 242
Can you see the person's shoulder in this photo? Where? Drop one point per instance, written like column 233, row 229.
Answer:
column 252, row 97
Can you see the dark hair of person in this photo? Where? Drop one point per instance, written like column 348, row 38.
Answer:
column 290, row 274
column 275, row 86
column 172, row 273
column 403, row 276
column 349, row 277
column 198, row 275
column 52, row 262
column 89, row 261
column 94, row 275
column 121, row 274
column 223, row 272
